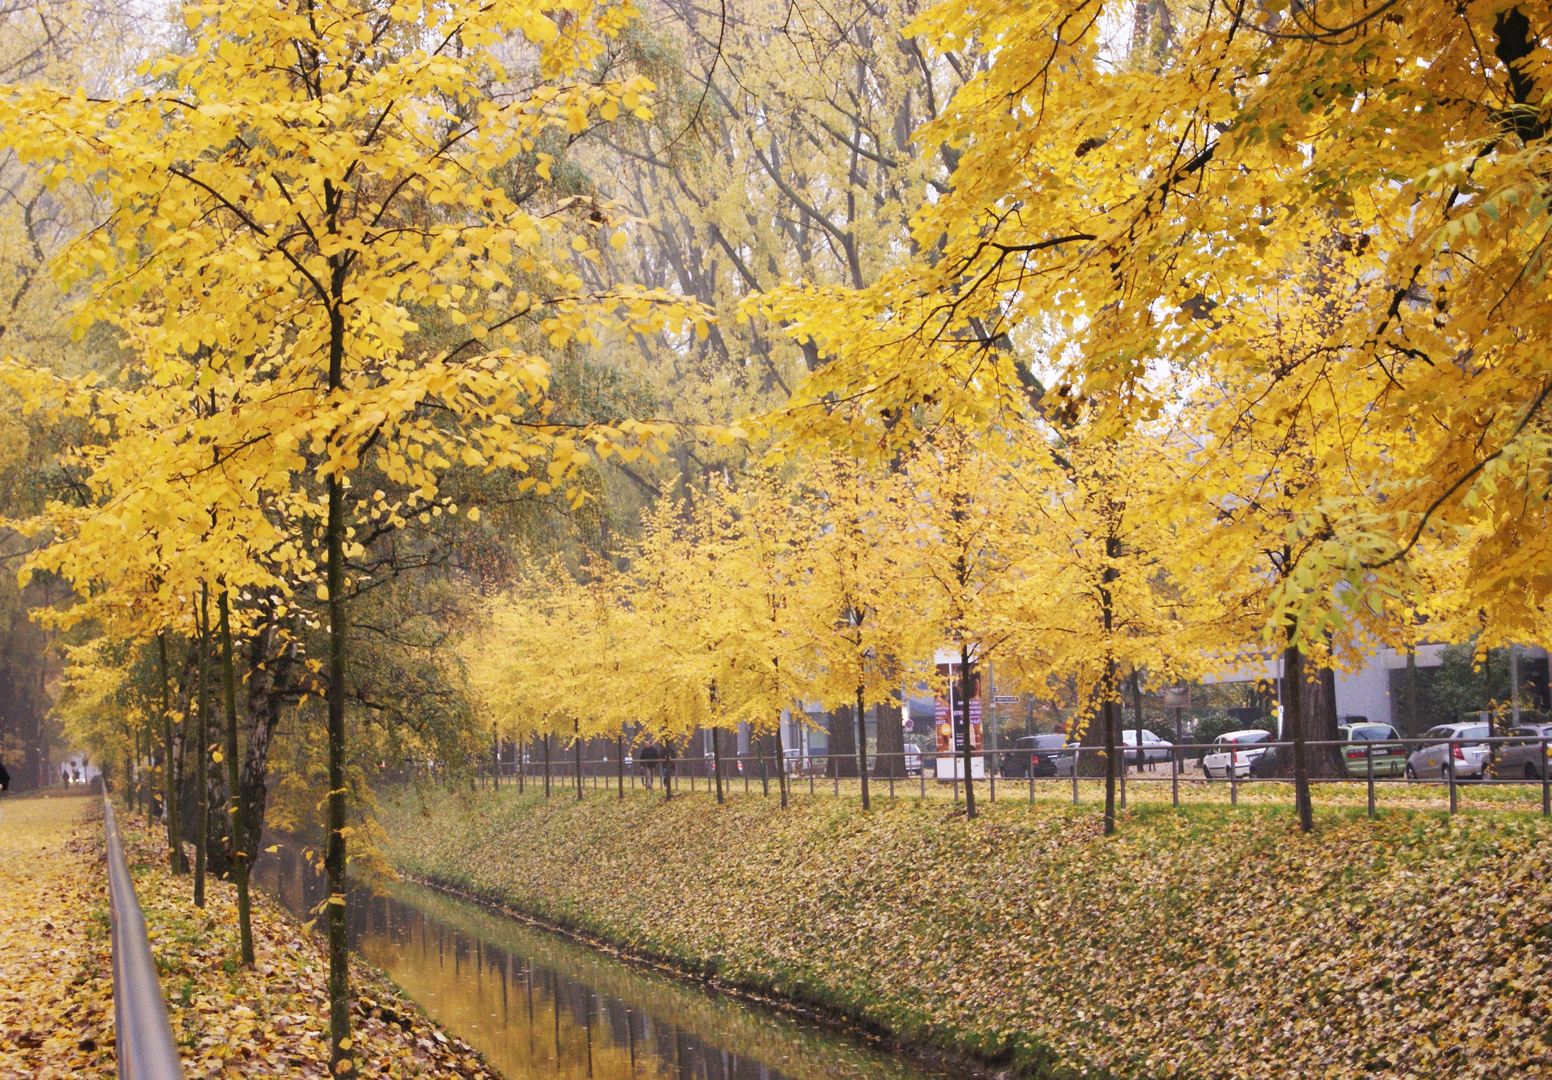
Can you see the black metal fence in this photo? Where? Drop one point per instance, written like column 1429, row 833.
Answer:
column 142, row 1037
column 1371, row 767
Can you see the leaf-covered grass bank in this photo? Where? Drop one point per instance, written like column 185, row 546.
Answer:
column 1214, row 942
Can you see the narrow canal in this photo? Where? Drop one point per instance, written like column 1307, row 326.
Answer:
column 539, row 1005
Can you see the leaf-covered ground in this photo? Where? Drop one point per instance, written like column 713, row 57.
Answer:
column 1212, row 942
column 56, row 1008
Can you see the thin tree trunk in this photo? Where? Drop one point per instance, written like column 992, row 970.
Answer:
column 1108, row 711
column 576, row 745
column 862, row 747
column 1411, row 692
column 966, row 684
column 495, row 758
column 171, row 779
column 619, row 746
column 781, row 764
column 1142, row 753
column 1293, row 721
column 202, row 750
column 546, row 764
column 341, row 1060
column 240, row 858
column 716, row 759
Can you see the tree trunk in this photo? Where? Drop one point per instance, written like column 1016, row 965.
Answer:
column 716, row 759
column 1112, row 764
column 270, row 670
column 202, row 751
column 1319, row 724
column 862, row 747
column 841, row 753
column 240, row 856
column 966, row 692
column 546, row 764
column 576, row 746
column 890, row 724
column 341, row 1060
column 170, row 775
column 1142, row 753
column 1293, row 728
column 781, row 764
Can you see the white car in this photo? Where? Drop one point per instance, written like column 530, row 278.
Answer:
column 1470, row 759
column 1234, row 750
column 1153, row 747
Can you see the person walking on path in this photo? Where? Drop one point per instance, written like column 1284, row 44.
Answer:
column 649, row 758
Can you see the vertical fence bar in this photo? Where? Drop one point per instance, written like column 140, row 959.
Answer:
column 1174, row 775
column 1031, row 782
column 1368, row 758
column 921, row 774
column 1077, row 761
column 1233, row 778
column 991, row 773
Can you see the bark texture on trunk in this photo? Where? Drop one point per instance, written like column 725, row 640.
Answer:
column 842, row 729
column 890, row 733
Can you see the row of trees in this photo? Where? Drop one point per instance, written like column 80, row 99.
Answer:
column 1105, row 342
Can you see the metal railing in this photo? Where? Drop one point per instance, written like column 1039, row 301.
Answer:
column 891, row 773
column 142, row 1036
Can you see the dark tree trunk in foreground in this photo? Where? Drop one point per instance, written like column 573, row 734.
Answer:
column 862, row 747
column 841, row 755
column 1293, row 728
column 966, row 692
column 202, row 752
column 890, row 732
column 240, row 856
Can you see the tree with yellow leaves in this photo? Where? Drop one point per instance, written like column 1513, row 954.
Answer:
column 342, row 210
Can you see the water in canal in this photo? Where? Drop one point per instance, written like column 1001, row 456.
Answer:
column 538, row 1005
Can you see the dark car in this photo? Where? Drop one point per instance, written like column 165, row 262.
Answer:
column 1266, row 763
column 1033, row 755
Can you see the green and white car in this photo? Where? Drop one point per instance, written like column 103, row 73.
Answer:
column 1372, row 740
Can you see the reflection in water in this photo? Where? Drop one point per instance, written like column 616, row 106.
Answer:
column 537, row 1005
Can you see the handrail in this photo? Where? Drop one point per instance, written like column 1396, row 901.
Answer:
column 143, row 1037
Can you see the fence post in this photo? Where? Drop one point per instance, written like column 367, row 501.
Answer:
column 1546, row 782
column 1031, row 782
column 1077, row 760
column 1174, row 775
column 991, row 774
column 1368, row 760
column 1233, row 778
column 921, row 774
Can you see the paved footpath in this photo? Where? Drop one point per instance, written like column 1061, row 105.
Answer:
column 56, row 976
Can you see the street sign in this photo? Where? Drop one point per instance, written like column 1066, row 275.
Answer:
column 1177, row 697
column 1005, row 699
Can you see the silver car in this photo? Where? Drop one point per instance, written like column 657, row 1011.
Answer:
column 1432, row 760
column 1528, row 755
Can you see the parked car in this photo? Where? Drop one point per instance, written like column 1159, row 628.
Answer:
column 1525, row 756
column 1153, row 748
column 1234, row 750
column 1267, row 763
column 1034, row 755
column 1377, row 741
column 913, row 761
column 1447, row 742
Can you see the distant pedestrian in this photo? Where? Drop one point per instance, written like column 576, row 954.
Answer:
column 648, row 758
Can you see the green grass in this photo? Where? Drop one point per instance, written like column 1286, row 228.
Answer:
column 1207, row 941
